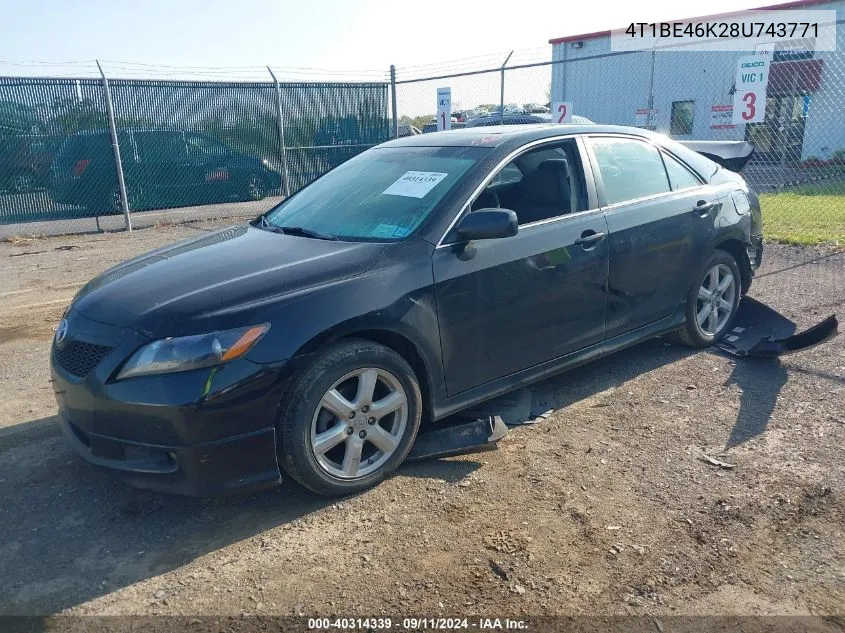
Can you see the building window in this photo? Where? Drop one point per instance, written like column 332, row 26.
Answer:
column 683, row 114
column 793, row 50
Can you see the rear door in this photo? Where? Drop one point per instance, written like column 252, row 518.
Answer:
column 660, row 225
column 164, row 171
column 509, row 304
column 212, row 168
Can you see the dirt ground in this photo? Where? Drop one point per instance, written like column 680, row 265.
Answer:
column 602, row 507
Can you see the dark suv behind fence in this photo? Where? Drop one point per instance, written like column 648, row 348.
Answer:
column 162, row 168
column 25, row 162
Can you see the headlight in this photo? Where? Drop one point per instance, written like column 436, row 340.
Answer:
column 171, row 355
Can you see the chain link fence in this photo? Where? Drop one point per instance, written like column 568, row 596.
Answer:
column 799, row 161
column 181, row 144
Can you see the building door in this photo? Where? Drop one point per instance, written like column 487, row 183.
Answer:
column 781, row 135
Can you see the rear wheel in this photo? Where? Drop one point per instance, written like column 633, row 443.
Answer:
column 114, row 204
column 349, row 419
column 712, row 301
column 255, row 188
column 22, row 182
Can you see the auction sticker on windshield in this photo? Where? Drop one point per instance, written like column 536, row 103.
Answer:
column 415, row 184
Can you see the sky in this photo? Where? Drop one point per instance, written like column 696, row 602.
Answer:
column 331, row 34
column 345, row 40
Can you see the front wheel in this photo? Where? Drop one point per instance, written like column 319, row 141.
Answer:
column 349, row 419
column 712, row 301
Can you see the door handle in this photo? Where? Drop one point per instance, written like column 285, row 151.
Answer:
column 703, row 208
column 589, row 239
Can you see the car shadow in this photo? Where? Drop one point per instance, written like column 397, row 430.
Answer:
column 70, row 532
column 760, row 381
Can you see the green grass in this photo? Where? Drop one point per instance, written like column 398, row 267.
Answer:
column 808, row 214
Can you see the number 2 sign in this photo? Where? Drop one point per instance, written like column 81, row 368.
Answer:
column 749, row 105
column 562, row 112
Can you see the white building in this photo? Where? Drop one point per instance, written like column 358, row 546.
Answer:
column 692, row 91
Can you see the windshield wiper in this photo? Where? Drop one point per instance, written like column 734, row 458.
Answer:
column 303, row 232
column 263, row 223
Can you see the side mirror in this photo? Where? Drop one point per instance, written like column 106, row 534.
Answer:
column 488, row 224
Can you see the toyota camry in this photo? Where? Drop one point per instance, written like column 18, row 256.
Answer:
column 416, row 280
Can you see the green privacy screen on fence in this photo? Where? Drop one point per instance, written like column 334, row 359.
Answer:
column 182, row 143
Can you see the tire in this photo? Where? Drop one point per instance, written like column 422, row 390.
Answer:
column 22, row 182
column 318, row 445
column 113, row 204
column 254, row 189
column 702, row 329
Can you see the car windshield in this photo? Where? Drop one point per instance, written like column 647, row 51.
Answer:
column 380, row 195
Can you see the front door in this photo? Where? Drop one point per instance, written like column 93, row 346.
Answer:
column 508, row 304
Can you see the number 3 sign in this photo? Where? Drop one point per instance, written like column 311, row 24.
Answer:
column 562, row 112
column 750, row 105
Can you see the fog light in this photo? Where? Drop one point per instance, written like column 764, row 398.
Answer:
column 172, row 455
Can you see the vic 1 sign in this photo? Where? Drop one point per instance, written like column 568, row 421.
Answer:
column 562, row 111
column 444, row 108
column 752, row 77
column 752, row 71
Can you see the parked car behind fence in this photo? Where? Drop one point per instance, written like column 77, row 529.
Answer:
column 162, row 168
column 25, row 162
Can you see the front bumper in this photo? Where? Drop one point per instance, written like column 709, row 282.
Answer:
column 203, row 432
column 242, row 463
column 754, row 248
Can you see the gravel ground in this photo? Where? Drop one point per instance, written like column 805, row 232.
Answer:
column 602, row 507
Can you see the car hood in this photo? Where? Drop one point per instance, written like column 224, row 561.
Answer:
column 173, row 290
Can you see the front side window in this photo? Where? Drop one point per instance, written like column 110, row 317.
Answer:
column 382, row 194
column 543, row 183
column 629, row 169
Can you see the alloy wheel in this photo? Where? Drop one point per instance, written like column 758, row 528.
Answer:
column 716, row 299
column 255, row 188
column 359, row 423
column 22, row 182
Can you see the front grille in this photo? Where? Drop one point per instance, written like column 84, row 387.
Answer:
column 78, row 357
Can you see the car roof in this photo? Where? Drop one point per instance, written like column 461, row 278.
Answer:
column 494, row 136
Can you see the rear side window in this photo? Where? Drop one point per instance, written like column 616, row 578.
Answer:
column 679, row 176
column 629, row 169
column 161, row 147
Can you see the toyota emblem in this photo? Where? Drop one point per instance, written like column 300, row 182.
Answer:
column 61, row 331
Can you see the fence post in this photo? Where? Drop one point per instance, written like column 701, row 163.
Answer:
column 502, row 91
column 121, row 184
column 393, row 100
column 782, row 128
column 648, row 122
column 280, row 124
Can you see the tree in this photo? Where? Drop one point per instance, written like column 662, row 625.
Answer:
column 69, row 115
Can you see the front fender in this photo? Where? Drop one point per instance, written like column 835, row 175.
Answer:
column 395, row 297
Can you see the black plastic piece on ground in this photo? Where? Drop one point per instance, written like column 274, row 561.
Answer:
column 761, row 332
column 816, row 335
column 468, row 437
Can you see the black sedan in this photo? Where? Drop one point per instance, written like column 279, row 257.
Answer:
column 415, row 280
